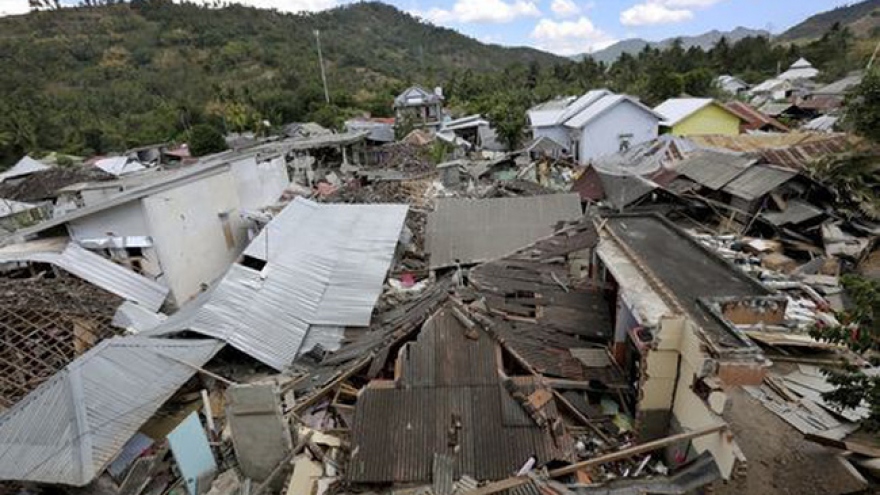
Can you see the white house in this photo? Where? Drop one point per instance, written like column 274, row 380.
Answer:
column 731, row 84
column 183, row 228
column 596, row 124
column 802, row 69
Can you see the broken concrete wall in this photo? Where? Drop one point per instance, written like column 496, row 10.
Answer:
column 197, row 231
column 754, row 311
column 659, row 377
column 692, row 411
column 260, row 434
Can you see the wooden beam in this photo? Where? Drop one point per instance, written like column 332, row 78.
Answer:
column 638, row 449
column 854, row 447
column 583, row 419
column 514, row 482
column 330, row 386
column 201, row 370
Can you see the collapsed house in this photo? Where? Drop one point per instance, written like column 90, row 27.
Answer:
column 74, row 425
column 465, row 231
column 129, row 221
column 59, row 301
column 296, row 287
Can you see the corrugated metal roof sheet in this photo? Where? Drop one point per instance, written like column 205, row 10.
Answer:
column 348, row 248
column 602, row 105
column 754, row 119
column 119, row 165
column 10, row 207
column 825, row 123
column 624, row 190
column 841, row 86
column 25, row 166
column 92, row 268
column 775, row 109
column 71, row 427
column 758, row 180
column 325, row 266
column 397, row 430
column 713, row 169
column 796, row 212
column 469, row 231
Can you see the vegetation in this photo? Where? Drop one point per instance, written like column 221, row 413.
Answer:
column 860, row 331
column 861, row 17
column 205, row 139
column 101, row 78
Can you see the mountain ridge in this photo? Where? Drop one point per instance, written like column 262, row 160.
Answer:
column 705, row 41
column 862, row 17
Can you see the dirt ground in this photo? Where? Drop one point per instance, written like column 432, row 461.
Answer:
column 779, row 460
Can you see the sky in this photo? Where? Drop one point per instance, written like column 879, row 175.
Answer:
column 568, row 27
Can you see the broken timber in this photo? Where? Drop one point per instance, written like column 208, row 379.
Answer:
column 514, row 482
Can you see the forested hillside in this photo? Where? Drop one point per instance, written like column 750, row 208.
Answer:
column 91, row 80
column 862, row 18
column 96, row 78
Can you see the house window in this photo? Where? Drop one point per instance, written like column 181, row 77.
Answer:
column 624, row 142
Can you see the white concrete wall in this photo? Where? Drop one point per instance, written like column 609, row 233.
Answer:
column 189, row 234
column 122, row 221
column 692, row 412
column 260, row 184
column 560, row 134
column 603, row 135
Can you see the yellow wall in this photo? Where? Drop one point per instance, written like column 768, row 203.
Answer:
column 712, row 119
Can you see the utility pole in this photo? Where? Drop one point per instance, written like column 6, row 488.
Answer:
column 321, row 61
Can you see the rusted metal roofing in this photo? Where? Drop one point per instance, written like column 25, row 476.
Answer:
column 714, row 169
column 755, row 120
column 588, row 185
column 471, row 418
column 536, row 311
column 73, row 425
column 799, row 157
column 475, row 230
column 758, row 180
column 765, row 141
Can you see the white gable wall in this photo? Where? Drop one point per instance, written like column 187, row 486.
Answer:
column 126, row 220
column 558, row 133
column 603, row 135
column 260, row 184
column 198, row 232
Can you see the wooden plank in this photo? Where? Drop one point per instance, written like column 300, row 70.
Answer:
column 854, row 447
column 638, row 449
column 539, row 398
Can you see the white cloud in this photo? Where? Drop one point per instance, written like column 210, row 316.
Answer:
column 691, row 3
column 482, row 11
column 570, row 37
column 565, row 8
column 13, row 7
column 663, row 11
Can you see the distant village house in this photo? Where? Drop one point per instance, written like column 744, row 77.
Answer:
column 596, row 124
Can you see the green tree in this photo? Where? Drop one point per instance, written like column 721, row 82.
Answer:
column 859, row 330
column 205, row 139
column 863, row 107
